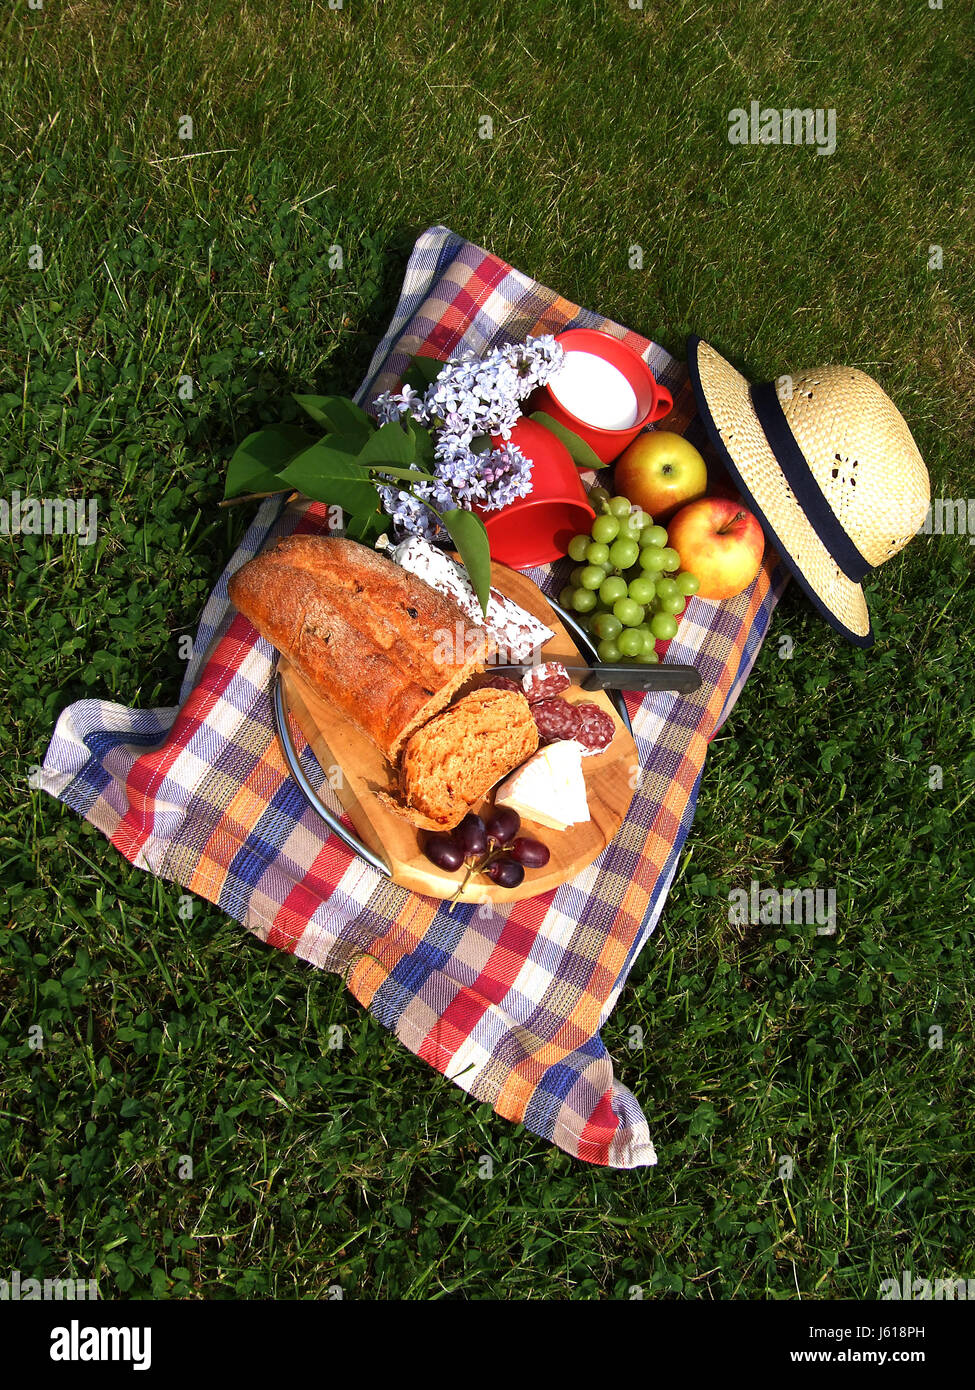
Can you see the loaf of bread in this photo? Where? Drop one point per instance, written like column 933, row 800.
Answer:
column 453, row 760
column 376, row 642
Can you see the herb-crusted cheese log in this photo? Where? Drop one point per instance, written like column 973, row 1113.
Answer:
column 363, row 632
column 515, row 632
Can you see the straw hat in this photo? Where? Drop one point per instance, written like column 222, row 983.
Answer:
column 829, row 465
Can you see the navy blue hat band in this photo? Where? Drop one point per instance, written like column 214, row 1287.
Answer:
column 799, row 476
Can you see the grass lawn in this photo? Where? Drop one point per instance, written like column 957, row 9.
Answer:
column 359, row 127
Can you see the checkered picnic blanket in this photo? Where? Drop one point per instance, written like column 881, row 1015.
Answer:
column 507, row 1001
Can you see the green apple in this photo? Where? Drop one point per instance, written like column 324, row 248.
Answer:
column 660, row 472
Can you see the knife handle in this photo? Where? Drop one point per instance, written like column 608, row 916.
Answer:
column 609, row 675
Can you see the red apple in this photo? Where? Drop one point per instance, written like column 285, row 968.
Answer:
column 721, row 542
column 659, row 472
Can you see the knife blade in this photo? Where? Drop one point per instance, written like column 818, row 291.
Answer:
column 618, row 675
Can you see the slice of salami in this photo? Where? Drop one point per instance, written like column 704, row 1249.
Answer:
column 556, row 719
column 500, row 683
column 542, row 682
column 595, row 729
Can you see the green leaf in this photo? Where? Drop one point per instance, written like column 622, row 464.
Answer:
column 331, row 475
column 386, row 470
column 315, row 407
column 391, row 443
column 582, row 455
column 422, row 372
column 257, row 462
column 366, row 526
column 339, row 416
column 345, row 443
column 469, row 536
column 422, row 444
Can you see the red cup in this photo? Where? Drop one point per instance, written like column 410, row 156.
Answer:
column 653, row 400
column 536, row 529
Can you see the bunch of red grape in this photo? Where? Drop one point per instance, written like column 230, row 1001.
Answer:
column 628, row 586
column 492, row 847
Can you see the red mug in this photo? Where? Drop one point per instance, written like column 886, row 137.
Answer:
column 653, row 400
column 536, row 529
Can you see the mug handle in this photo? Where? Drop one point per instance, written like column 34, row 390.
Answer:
column 664, row 404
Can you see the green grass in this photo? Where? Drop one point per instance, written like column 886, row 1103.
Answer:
column 165, row 1037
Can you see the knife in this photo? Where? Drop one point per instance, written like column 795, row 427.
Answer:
column 618, row 675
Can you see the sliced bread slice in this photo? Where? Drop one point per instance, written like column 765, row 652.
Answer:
column 450, row 763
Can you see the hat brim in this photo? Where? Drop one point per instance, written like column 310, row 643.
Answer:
column 725, row 406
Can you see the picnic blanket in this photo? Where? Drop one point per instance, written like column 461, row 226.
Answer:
column 507, row 1001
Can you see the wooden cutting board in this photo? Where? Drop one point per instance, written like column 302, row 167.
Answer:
column 357, row 770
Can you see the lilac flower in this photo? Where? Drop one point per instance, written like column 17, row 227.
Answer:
column 393, row 405
column 410, row 516
column 490, row 480
column 534, row 361
column 507, row 475
column 473, row 396
column 457, row 467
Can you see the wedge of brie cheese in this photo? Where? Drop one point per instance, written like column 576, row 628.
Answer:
column 549, row 788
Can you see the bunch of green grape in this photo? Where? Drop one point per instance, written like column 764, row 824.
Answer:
column 628, row 587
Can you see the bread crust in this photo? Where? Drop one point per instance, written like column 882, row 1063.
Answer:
column 386, row 649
